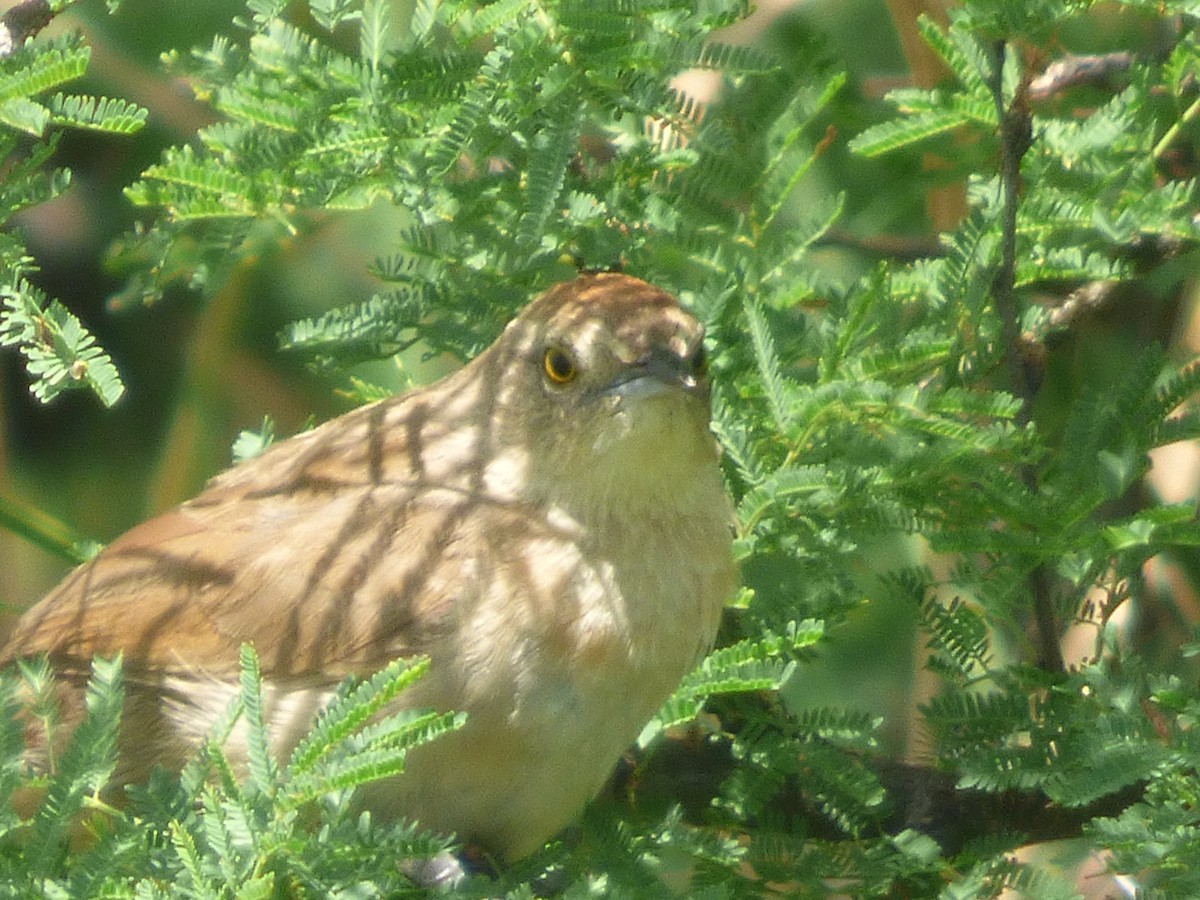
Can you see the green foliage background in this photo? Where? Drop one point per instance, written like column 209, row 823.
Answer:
column 938, row 433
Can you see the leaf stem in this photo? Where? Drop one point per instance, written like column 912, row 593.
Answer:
column 1168, row 138
column 45, row 531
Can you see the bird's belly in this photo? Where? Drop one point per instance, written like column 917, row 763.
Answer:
column 508, row 780
column 511, row 782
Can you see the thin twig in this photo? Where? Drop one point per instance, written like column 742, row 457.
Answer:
column 900, row 247
column 1175, row 130
column 45, row 531
column 1016, row 136
column 1085, row 300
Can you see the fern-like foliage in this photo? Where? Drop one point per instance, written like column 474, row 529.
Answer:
column 59, row 352
column 318, row 765
column 747, row 666
column 36, row 848
column 515, row 142
column 219, row 830
column 1093, row 187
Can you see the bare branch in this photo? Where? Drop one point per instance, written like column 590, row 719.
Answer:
column 1016, row 137
column 1072, row 71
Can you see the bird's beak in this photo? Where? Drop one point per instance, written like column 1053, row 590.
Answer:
column 658, row 373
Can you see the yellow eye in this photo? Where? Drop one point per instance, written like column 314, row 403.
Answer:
column 559, row 366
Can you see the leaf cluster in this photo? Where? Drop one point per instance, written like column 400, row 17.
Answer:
column 60, row 353
column 221, row 829
column 514, row 136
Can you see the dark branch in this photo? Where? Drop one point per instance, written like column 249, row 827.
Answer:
column 1016, row 137
column 21, row 23
column 689, row 771
column 1073, row 71
column 900, row 247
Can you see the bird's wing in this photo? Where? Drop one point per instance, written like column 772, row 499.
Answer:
column 182, row 591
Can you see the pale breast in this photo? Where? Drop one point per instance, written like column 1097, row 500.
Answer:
column 572, row 650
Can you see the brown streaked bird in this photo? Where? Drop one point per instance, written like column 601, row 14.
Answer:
column 548, row 525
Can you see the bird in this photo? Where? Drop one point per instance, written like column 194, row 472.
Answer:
column 548, row 525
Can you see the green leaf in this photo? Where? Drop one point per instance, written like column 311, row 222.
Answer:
column 85, row 766
column 372, row 760
column 60, row 353
column 97, row 114
column 749, row 665
column 373, row 33
column 41, row 69
column 264, row 771
column 24, row 115
column 889, row 136
column 783, row 173
column 779, row 391
column 377, row 328
column 551, row 153
column 960, row 631
column 352, row 709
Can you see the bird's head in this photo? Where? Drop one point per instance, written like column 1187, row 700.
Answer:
column 605, row 378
